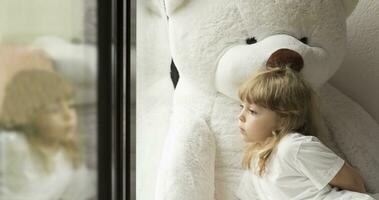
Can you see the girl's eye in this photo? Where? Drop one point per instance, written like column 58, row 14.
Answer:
column 252, row 111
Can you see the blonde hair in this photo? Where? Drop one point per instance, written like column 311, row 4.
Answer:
column 26, row 95
column 285, row 92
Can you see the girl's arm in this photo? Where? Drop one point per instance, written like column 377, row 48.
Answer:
column 348, row 178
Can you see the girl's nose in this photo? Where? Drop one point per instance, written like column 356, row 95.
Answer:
column 240, row 116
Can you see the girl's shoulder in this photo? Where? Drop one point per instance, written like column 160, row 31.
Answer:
column 296, row 137
column 292, row 142
column 304, row 149
column 311, row 158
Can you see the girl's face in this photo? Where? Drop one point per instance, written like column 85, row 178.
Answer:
column 256, row 123
column 57, row 121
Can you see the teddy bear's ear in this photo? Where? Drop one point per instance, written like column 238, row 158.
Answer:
column 172, row 6
column 349, row 6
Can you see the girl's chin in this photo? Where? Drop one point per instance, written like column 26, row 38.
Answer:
column 67, row 136
column 243, row 134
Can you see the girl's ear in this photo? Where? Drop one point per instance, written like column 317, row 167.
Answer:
column 349, row 6
column 172, row 6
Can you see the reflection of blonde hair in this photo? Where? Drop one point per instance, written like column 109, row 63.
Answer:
column 26, row 95
column 285, row 92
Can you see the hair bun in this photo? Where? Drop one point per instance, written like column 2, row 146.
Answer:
column 281, row 69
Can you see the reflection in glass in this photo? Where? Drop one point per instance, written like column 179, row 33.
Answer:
column 40, row 150
column 48, row 114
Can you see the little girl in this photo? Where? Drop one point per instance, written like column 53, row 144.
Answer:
column 40, row 158
column 283, row 158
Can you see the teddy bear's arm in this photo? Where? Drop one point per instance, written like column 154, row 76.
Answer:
column 154, row 93
column 187, row 165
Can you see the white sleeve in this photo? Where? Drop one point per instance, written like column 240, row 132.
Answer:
column 82, row 186
column 246, row 189
column 317, row 162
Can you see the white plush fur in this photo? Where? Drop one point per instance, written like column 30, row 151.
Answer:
column 153, row 93
column 349, row 6
column 203, row 151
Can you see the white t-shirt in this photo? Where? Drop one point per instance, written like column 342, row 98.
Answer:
column 300, row 168
column 22, row 178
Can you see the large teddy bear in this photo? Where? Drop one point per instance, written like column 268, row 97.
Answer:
column 216, row 45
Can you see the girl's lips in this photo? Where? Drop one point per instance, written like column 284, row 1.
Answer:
column 242, row 130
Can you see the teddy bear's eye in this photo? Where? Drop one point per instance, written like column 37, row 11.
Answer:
column 304, row 40
column 251, row 40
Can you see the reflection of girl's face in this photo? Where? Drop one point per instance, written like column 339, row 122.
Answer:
column 57, row 121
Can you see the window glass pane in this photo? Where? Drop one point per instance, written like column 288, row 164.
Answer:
column 48, row 102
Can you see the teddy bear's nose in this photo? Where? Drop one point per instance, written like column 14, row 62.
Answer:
column 286, row 57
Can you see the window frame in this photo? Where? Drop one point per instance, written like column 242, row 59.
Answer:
column 112, row 97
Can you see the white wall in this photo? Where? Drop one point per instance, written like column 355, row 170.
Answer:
column 23, row 20
column 358, row 76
